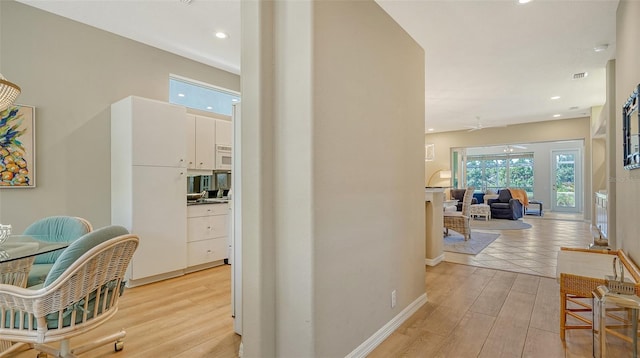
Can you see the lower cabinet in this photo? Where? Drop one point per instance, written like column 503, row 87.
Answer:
column 206, row 251
column 207, row 231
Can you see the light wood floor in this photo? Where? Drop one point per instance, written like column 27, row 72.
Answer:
column 186, row 317
column 471, row 312
column 480, row 312
column 503, row 302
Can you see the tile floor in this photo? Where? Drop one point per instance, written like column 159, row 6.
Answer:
column 531, row 251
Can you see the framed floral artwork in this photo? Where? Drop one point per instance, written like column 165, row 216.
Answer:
column 18, row 147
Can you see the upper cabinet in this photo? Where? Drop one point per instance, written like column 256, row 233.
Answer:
column 223, row 132
column 143, row 126
column 201, row 149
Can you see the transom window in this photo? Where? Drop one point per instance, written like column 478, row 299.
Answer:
column 202, row 96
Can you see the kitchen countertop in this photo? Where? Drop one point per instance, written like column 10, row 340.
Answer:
column 207, row 202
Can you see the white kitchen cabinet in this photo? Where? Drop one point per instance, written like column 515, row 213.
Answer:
column 149, row 129
column 201, row 149
column 148, row 184
column 207, row 232
column 224, row 130
column 158, row 200
column 206, row 251
column 207, row 227
column 191, row 141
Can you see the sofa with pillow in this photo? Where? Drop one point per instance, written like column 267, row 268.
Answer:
column 505, row 206
column 458, row 194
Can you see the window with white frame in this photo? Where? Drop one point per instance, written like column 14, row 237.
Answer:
column 202, row 96
column 498, row 171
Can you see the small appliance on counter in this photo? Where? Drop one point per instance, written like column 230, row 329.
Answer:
column 196, row 196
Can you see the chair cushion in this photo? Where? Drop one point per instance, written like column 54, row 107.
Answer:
column 38, row 274
column 80, row 247
column 56, row 229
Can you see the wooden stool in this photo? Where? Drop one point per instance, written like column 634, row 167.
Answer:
column 580, row 272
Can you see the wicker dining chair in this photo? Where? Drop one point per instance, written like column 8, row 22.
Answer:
column 80, row 293
column 459, row 220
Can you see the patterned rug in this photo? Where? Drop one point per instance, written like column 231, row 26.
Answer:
column 499, row 224
column 479, row 240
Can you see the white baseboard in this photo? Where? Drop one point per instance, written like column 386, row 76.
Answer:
column 372, row 342
column 433, row 262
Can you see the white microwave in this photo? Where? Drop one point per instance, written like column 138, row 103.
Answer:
column 223, row 157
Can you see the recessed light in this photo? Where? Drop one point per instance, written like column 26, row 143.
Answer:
column 555, row 97
column 209, row 107
column 234, row 100
column 221, row 35
column 180, row 94
column 523, row 1
column 430, row 130
column 601, row 47
column 556, row 115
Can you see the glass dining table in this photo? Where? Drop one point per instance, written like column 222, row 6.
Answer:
column 17, row 254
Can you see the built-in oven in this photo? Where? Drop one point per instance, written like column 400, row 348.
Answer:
column 223, row 157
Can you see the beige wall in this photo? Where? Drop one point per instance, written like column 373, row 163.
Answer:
column 627, row 183
column 329, row 234
column 368, row 171
column 568, row 129
column 72, row 73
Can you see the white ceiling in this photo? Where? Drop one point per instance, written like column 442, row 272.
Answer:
column 495, row 60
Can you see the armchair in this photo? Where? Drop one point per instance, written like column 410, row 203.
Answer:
column 458, row 194
column 80, row 293
column 459, row 220
column 505, row 206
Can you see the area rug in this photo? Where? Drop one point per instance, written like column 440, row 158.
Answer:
column 499, row 224
column 479, row 240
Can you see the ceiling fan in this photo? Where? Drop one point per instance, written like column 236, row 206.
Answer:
column 510, row 147
column 479, row 126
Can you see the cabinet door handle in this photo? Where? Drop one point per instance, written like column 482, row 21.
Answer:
column 208, row 251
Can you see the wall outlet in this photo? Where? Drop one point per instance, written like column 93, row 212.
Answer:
column 393, row 298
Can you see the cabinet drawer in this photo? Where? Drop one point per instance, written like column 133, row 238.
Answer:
column 207, row 209
column 206, row 227
column 205, row 251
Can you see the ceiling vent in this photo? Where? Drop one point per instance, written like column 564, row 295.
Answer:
column 573, row 108
column 580, row 75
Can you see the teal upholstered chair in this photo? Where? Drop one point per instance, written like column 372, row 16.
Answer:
column 57, row 229
column 80, row 293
